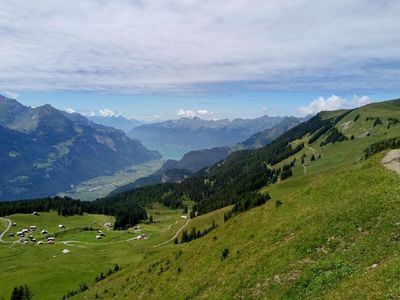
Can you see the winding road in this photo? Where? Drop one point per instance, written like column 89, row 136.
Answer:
column 69, row 243
column 5, row 231
column 175, row 236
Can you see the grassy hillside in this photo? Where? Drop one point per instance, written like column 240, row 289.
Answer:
column 50, row 274
column 334, row 236
column 330, row 231
column 326, row 239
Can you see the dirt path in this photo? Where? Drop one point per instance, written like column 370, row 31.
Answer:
column 72, row 242
column 5, row 231
column 314, row 153
column 170, row 225
column 310, row 148
column 91, row 243
column 175, row 236
column 392, row 160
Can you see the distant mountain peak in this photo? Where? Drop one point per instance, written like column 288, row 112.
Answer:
column 65, row 148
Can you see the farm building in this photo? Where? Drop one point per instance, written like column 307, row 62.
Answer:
column 43, row 231
column 109, row 225
column 142, row 237
column 61, row 226
column 35, row 213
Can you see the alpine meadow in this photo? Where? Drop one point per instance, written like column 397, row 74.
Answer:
column 199, row 150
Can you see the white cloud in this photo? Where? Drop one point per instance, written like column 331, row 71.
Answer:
column 332, row 103
column 113, row 45
column 105, row 112
column 360, row 101
column 182, row 113
column 202, row 112
column 70, row 110
column 186, row 113
column 88, row 113
column 9, row 94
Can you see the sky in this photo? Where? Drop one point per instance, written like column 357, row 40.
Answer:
column 156, row 60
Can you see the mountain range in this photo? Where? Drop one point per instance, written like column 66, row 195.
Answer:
column 118, row 122
column 44, row 150
column 311, row 215
column 173, row 138
column 195, row 160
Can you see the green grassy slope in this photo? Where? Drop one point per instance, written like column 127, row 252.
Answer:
column 323, row 241
column 335, row 236
column 50, row 274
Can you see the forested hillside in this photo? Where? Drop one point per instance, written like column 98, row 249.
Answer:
column 193, row 161
column 328, row 231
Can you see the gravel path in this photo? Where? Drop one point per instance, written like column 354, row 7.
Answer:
column 392, row 160
column 5, row 231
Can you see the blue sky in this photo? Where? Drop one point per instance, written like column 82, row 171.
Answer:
column 161, row 107
column 154, row 60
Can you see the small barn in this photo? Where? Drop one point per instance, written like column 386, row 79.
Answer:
column 108, row 225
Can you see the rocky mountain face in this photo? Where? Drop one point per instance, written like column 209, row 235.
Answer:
column 44, row 151
column 196, row 133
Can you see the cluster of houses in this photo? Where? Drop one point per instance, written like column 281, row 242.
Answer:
column 26, row 234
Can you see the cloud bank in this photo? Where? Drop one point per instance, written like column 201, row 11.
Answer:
column 333, row 103
column 152, row 46
column 105, row 112
column 182, row 113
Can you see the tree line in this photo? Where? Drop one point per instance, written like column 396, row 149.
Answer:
column 234, row 181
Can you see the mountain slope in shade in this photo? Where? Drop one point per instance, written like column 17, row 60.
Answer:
column 196, row 133
column 193, row 161
column 119, row 122
column 44, row 151
column 198, row 159
column 264, row 137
